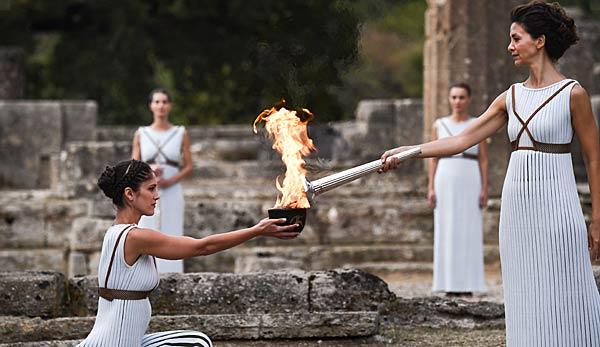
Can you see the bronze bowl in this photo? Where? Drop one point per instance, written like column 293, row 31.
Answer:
column 291, row 215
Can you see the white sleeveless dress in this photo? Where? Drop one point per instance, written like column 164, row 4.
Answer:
column 551, row 298
column 458, row 235
column 123, row 323
column 169, row 212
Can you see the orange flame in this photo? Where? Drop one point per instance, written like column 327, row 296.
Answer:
column 290, row 138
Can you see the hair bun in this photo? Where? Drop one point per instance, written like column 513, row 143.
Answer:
column 108, row 181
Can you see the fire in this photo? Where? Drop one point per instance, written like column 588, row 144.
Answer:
column 288, row 130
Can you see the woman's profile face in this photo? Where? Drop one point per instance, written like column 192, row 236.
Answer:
column 459, row 99
column 160, row 105
column 522, row 47
column 146, row 197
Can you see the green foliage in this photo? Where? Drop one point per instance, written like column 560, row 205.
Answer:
column 223, row 61
column 390, row 63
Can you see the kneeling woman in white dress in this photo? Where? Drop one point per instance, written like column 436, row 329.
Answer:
column 167, row 149
column 458, row 192
column 127, row 268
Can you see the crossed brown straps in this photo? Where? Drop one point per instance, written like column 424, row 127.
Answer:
column 159, row 149
column 538, row 146
column 111, row 294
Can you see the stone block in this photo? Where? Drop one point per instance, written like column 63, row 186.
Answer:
column 32, row 293
column 77, row 264
column 79, row 119
column 87, row 234
column 17, row 330
column 218, row 262
column 347, row 290
column 33, row 259
column 437, row 313
column 82, row 162
column 22, row 222
column 244, row 264
column 219, row 327
column 30, row 132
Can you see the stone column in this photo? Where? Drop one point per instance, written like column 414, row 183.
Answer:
column 467, row 41
column 11, row 73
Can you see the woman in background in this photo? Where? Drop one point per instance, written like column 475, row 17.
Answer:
column 458, row 192
column 166, row 148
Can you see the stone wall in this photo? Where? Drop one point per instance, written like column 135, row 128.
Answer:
column 32, row 135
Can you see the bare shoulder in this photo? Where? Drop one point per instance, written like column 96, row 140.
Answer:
column 144, row 236
column 578, row 93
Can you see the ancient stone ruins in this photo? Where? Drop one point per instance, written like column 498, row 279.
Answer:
column 324, row 288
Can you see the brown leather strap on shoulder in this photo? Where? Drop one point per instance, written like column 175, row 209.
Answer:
column 111, row 294
column 446, row 127
column 112, row 257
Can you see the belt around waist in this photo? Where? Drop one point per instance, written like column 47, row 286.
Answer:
column 543, row 147
column 167, row 162
column 111, row 294
column 463, row 156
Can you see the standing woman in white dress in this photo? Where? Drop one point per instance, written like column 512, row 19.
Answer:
column 127, row 271
column 458, row 191
column 550, row 295
column 166, row 148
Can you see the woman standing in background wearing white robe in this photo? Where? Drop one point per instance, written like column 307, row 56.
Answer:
column 458, row 191
column 166, row 148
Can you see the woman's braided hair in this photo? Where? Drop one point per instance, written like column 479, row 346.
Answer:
column 540, row 18
column 115, row 179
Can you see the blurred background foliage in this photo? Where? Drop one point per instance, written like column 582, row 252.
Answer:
column 223, row 60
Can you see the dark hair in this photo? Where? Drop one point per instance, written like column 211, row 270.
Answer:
column 129, row 173
column 549, row 19
column 158, row 90
column 462, row 85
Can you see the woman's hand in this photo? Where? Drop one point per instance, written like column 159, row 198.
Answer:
column 431, row 198
column 166, row 182
column 594, row 240
column 388, row 162
column 157, row 169
column 272, row 227
column 483, row 198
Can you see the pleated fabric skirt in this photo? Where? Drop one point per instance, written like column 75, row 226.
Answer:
column 458, row 233
column 551, row 298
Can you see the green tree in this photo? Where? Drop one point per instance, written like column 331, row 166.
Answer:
column 224, row 61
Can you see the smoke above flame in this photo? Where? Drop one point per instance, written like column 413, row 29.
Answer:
column 289, row 133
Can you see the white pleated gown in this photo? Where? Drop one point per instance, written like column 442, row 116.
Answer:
column 169, row 212
column 458, row 235
column 551, row 298
column 123, row 323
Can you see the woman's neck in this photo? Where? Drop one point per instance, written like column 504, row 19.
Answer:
column 542, row 73
column 459, row 116
column 127, row 215
column 160, row 124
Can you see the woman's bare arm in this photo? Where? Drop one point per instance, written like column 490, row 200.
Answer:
column 135, row 147
column 483, row 170
column 483, row 127
column 586, row 129
column 146, row 241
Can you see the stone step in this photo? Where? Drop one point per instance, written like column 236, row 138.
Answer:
column 379, row 268
column 218, row 327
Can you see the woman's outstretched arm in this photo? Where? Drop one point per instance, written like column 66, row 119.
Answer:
column 483, row 127
column 146, row 241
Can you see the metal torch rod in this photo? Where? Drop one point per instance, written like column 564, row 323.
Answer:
column 330, row 182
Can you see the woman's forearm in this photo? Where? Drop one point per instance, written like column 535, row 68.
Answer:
column 593, row 173
column 220, row 242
